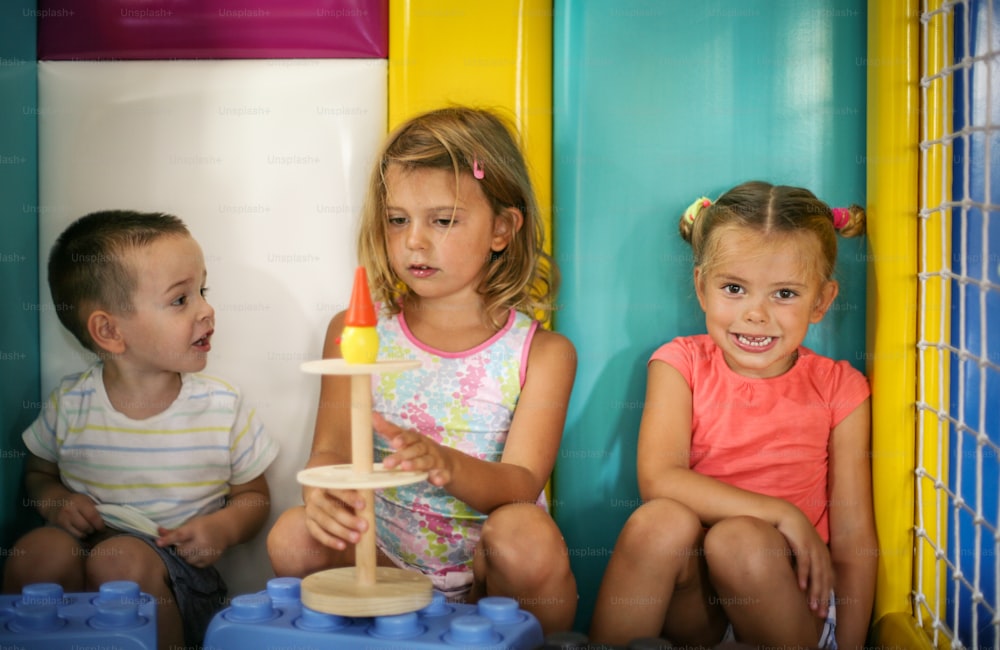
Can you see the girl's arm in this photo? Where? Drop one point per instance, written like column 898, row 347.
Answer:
column 853, row 543
column 664, row 458
column 532, row 443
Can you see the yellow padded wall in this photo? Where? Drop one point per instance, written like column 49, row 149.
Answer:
column 495, row 55
column 892, row 290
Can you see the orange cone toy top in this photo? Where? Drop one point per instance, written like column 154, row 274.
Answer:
column 361, row 310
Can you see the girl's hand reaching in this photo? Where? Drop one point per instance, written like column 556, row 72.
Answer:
column 813, row 566
column 414, row 452
column 332, row 516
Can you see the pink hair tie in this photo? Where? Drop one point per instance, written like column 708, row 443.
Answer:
column 477, row 171
column 841, row 217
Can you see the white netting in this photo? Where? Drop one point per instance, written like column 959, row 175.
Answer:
column 957, row 561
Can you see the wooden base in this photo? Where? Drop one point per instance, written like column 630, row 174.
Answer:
column 337, row 591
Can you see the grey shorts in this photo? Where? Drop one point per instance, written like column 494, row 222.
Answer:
column 200, row 593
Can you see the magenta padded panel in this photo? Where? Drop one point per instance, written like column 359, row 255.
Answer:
column 212, row 29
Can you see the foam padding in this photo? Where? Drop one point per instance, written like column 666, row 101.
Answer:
column 20, row 399
column 212, row 29
column 494, row 55
column 893, row 178
column 656, row 104
column 899, row 630
column 267, row 162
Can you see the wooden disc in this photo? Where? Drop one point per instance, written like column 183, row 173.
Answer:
column 337, row 591
column 341, row 367
column 345, row 477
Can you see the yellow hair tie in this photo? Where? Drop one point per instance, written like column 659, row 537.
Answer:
column 695, row 208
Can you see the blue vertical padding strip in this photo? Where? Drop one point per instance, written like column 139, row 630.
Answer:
column 19, row 359
column 975, row 388
column 656, row 103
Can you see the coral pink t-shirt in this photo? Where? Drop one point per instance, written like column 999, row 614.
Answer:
column 769, row 436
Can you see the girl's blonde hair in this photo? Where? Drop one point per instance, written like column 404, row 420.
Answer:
column 768, row 209
column 522, row 276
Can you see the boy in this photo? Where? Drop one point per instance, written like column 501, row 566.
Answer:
column 140, row 431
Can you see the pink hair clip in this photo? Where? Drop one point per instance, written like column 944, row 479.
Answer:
column 477, row 171
column 841, row 217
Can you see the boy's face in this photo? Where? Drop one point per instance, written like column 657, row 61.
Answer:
column 171, row 324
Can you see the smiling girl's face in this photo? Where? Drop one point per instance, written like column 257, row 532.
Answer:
column 760, row 293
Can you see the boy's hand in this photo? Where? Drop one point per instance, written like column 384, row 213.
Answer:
column 76, row 513
column 197, row 541
column 414, row 452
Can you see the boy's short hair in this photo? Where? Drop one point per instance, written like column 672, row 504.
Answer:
column 87, row 267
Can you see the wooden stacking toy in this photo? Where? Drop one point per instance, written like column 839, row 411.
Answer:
column 364, row 589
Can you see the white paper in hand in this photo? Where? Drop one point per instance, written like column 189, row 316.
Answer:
column 128, row 519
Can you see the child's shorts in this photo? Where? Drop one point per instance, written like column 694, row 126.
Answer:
column 200, row 593
column 454, row 585
column 827, row 640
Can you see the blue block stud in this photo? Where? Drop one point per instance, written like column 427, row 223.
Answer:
column 276, row 617
column 43, row 617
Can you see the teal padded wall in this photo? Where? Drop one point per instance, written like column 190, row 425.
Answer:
column 19, row 303
column 656, row 103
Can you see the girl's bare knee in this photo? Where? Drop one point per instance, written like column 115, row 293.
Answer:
column 735, row 534
column 289, row 525
column 288, row 542
column 294, row 552
column 744, row 547
column 522, row 539
column 661, row 527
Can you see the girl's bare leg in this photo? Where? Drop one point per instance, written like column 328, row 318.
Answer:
column 656, row 582
column 750, row 564
column 296, row 553
column 522, row 555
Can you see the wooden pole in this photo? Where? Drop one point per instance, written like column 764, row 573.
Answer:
column 362, row 463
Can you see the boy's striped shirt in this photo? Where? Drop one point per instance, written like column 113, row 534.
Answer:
column 172, row 466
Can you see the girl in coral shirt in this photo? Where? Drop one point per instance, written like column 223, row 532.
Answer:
column 753, row 455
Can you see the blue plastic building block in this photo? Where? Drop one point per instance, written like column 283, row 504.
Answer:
column 44, row 618
column 276, row 618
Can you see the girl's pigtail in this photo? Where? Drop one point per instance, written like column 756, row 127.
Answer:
column 850, row 221
column 691, row 214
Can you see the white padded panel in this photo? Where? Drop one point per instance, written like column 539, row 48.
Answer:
column 267, row 162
